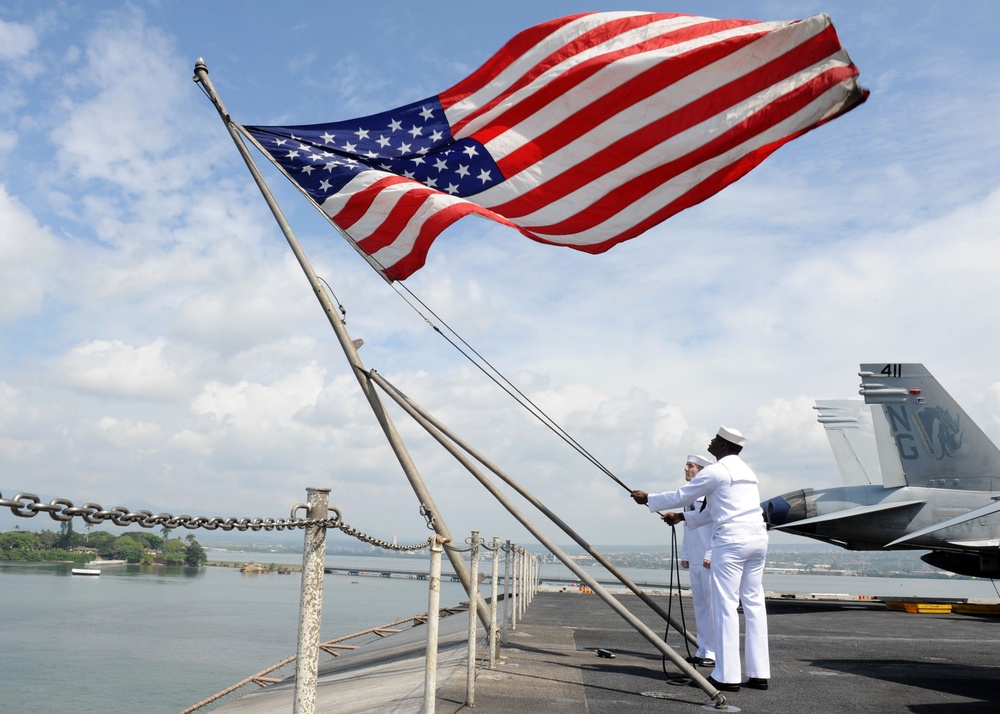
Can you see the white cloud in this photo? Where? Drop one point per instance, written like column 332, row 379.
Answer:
column 17, row 41
column 111, row 368
column 29, row 256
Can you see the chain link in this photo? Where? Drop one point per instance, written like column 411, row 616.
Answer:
column 354, row 533
column 28, row 505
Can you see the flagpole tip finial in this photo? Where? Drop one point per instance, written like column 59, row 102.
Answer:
column 200, row 64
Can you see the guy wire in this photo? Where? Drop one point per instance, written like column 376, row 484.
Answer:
column 501, row 381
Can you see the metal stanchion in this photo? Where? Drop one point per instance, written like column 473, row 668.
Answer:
column 507, row 555
column 492, row 641
column 310, row 602
column 470, row 682
column 522, row 601
column 515, row 586
column 433, row 606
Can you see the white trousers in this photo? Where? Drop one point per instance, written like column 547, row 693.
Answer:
column 701, row 596
column 737, row 572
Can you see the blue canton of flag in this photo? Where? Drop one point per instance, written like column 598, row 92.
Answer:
column 413, row 141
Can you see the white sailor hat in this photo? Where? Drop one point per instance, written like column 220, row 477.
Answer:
column 732, row 436
column 698, row 460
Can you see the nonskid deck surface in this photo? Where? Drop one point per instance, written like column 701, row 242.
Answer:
column 825, row 657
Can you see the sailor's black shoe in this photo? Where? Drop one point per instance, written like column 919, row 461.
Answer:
column 756, row 683
column 700, row 661
column 724, row 686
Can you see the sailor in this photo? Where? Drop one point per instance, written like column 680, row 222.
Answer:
column 739, row 548
column 696, row 556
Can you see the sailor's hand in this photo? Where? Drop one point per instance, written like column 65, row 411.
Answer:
column 673, row 518
column 685, row 564
column 707, row 563
column 640, row 497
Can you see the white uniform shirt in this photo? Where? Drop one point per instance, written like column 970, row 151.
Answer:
column 730, row 487
column 697, row 546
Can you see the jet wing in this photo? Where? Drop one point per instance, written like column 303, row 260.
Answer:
column 986, row 510
column 848, row 513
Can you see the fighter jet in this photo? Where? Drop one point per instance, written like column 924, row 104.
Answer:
column 929, row 478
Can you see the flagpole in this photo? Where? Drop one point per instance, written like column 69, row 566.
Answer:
column 434, row 517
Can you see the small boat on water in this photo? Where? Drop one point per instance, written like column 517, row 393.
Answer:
column 86, row 571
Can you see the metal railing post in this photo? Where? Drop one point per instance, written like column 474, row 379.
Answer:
column 433, row 606
column 522, row 601
column 470, row 682
column 311, row 602
column 506, row 590
column 495, row 571
column 515, row 586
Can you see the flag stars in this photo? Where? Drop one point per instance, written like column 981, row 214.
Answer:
column 424, row 153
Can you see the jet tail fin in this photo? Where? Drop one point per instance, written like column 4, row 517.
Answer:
column 926, row 432
column 848, row 425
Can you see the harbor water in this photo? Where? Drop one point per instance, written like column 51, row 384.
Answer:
column 142, row 639
column 161, row 639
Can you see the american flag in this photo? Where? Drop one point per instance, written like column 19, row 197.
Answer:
column 584, row 131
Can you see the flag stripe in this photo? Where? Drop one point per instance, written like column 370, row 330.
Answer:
column 637, row 89
column 634, row 94
column 607, row 39
column 690, row 187
column 512, row 52
column 407, row 256
column 639, row 142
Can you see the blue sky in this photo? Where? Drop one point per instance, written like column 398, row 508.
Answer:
column 160, row 347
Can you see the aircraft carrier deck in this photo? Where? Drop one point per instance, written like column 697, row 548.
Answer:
column 826, row 656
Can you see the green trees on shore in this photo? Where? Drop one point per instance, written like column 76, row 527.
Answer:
column 131, row 546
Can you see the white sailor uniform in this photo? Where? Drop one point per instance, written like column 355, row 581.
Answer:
column 739, row 548
column 696, row 549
